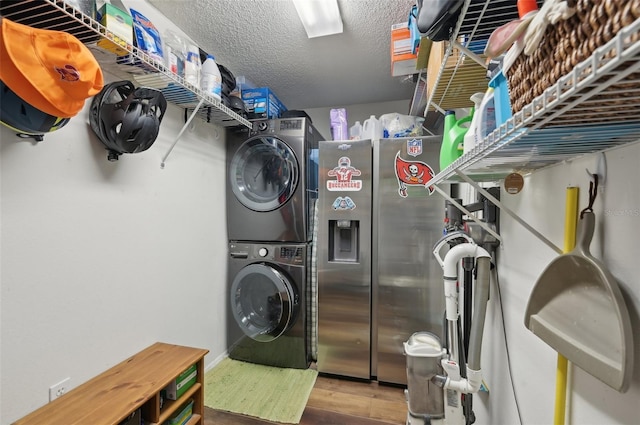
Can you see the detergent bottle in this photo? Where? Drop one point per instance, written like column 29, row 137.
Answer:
column 452, row 138
column 486, row 116
column 470, row 139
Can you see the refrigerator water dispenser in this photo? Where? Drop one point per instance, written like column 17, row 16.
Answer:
column 344, row 241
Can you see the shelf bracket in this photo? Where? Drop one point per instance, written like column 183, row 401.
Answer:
column 184, row 127
column 436, row 107
column 470, row 54
column 513, row 215
column 467, row 212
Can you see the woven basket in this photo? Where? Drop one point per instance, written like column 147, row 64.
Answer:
column 566, row 44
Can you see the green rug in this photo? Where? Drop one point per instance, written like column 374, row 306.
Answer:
column 271, row 393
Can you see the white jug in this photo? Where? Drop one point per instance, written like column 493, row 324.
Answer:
column 372, row 129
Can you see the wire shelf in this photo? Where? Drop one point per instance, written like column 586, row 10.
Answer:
column 593, row 108
column 138, row 65
column 454, row 84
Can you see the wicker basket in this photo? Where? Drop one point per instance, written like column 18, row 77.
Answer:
column 566, row 44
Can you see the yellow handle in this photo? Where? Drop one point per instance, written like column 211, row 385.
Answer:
column 561, row 390
column 570, row 223
column 570, row 219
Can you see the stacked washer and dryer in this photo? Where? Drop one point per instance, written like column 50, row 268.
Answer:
column 272, row 188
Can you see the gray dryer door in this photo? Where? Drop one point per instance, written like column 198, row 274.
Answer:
column 263, row 302
column 264, row 173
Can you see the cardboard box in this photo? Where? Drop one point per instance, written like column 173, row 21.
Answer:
column 403, row 60
column 120, row 24
column 182, row 383
column 261, row 102
column 97, row 5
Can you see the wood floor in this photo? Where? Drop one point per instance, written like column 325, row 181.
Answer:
column 335, row 401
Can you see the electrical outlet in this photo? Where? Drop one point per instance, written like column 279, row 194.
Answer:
column 59, row 389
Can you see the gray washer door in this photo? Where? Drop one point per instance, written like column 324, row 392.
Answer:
column 262, row 302
column 263, row 173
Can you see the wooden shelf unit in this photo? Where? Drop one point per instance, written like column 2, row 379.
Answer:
column 112, row 396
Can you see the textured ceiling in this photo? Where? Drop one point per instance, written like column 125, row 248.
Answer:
column 265, row 41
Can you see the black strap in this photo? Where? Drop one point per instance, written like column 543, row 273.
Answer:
column 593, row 192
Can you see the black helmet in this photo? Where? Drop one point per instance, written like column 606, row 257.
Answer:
column 26, row 120
column 236, row 104
column 126, row 119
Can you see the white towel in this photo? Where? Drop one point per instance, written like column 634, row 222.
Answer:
column 551, row 12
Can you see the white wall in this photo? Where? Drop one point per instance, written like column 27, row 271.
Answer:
column 522, row 258
column 100, row 259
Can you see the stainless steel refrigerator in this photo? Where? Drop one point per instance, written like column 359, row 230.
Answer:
column 378, row 282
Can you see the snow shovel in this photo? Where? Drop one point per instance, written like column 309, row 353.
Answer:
column 576, row 307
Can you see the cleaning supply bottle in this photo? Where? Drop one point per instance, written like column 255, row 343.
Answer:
column 210, row 79
column 470, row 136
column 372, row 128
column 486, row 116
column 192, row 66
column 355, row 132
column 452, row 138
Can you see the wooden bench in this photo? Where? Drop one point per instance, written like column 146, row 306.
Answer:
column 133, row 384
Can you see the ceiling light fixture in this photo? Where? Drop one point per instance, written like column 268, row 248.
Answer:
column 319, row 17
